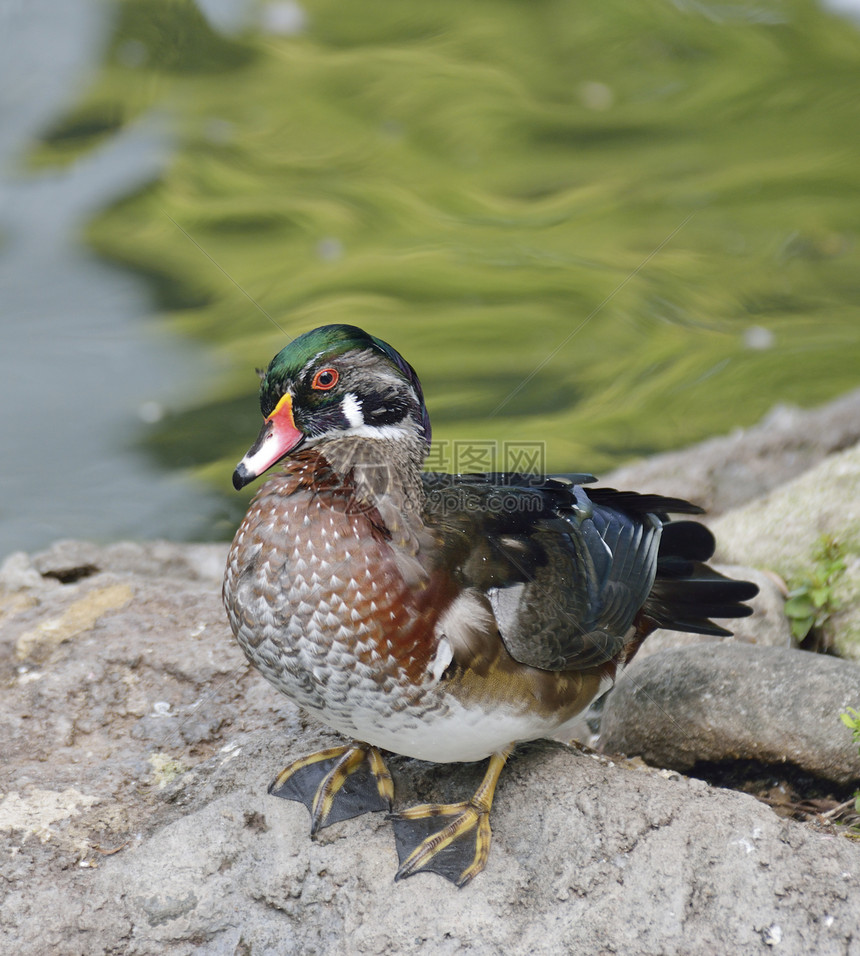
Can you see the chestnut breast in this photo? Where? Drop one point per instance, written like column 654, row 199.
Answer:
column 321, row 598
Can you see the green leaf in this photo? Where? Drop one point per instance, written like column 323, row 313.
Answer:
column 800, row 607
column 800, row 627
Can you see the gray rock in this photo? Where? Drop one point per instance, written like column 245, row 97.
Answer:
column 732, row 701
column 70, row 560
column 587, row 857
column 783, row 530
column 731, row 470
column 138, row 744
column 17, row 574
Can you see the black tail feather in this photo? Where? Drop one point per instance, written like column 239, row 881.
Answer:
column 686, row 540
column 634, row 503
column 687, row 593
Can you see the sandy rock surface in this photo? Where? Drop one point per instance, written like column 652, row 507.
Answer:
column 135, row 818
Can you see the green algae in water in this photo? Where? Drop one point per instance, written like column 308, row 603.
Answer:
column 486, row 185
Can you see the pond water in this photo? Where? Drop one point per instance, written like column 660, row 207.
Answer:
column 81, row 364
column 610, row 228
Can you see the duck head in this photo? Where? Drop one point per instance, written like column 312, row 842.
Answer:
column 333, row 382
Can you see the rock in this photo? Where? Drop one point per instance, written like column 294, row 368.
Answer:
column 79, row 617
column 783, row 531
column 587, row 857
column 134, row 817
column 728, row 702
column 732, row 470
column 34, row 815
column 70, row 561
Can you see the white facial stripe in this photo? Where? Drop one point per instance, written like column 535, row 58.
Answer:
column 351, row 407
column 310, row 364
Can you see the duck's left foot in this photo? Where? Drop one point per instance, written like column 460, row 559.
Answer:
column 459, row 849
column 337, row 784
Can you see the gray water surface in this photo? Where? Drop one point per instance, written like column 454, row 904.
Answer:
column 84, row 363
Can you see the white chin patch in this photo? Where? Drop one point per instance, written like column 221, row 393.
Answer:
column 380, row 432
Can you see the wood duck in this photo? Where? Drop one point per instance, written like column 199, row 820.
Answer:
column 442, row 617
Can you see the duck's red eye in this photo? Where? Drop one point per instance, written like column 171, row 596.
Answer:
column 325, row 379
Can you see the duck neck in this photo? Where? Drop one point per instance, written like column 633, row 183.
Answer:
column 380, row 469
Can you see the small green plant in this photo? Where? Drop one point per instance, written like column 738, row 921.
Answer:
column 851, row 718
column 810, row 602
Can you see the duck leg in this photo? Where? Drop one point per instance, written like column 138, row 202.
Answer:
column 337, row 784
column 459, row 849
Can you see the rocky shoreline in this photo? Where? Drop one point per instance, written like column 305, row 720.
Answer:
column 138, row 745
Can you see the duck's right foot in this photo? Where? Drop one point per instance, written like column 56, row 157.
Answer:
column 337, row 784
